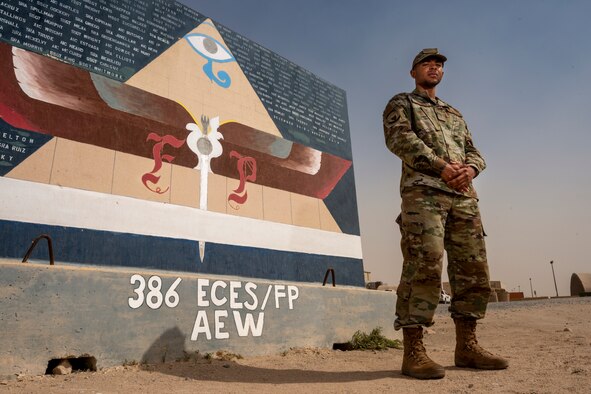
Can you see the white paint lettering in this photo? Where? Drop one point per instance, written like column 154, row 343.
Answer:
column 279, row 293
column 234, row 304
column 231, row 296
column 219, row 325
column 250, row 287
column 201, row 326
column 201, row 283
column 243, row 328
column 292, row 294
column 214, row 297
column 266, row 297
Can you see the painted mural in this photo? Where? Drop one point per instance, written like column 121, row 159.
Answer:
column 173, row 158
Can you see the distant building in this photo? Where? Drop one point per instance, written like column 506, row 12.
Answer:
column 580, row 285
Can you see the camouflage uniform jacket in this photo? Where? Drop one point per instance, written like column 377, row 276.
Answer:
column 426, row 134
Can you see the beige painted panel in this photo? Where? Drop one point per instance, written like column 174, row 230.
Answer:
column 37, row 167
column 305, row 211
column 181, row 78
column 216, row 193
column 228, row 100
column 185, row 186
column 252, row 207
column 276, row 205
column 82, row 166
column 327, row 222
column 196, row 106
column 227, row 114
column 162, row 86
column 156, row 83
column 127, row 178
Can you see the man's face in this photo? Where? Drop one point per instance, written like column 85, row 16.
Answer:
column 428, row 73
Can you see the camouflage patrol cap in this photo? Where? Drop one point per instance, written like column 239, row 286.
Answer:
column 426, row 53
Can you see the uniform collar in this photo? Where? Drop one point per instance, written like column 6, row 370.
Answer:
column 422, row 94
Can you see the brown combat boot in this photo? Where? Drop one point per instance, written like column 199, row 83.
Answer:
column 469, row 354
column 415, row 362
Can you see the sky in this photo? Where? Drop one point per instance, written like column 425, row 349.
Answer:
column 519, row 73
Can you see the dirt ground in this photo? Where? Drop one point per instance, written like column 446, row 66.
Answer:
column 548, row 344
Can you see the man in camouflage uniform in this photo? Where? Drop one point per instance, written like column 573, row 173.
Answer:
column 439, row 212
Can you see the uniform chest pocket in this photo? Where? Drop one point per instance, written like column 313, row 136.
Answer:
column 455, row 120
column 442, row 115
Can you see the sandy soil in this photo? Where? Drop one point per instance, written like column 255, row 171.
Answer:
column 548, row 344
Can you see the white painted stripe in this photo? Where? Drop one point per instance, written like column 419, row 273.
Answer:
column 31, row 202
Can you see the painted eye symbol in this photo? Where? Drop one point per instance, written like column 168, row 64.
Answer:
column 213, row 51
column 209, row 48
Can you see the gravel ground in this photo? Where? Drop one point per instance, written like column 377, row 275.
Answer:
column 547, row 343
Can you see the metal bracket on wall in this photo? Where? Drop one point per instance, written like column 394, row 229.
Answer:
column 331, row 271
column 34, row 243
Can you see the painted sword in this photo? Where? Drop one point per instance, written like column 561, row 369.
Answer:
column 205, row 143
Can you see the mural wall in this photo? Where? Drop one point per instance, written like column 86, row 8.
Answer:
column 143, row 134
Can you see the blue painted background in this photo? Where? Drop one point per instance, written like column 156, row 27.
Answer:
column 106, row 248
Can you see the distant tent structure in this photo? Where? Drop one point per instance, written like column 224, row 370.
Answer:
column 580, row 285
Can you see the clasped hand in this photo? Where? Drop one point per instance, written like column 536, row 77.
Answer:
column 458, row 176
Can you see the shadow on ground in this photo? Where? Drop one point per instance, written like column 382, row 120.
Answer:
column 231, row 371
column 167, row 355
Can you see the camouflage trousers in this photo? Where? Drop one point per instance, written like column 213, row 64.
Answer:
column 433, row 221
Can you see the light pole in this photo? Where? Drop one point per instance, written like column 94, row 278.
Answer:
column 531, row 288
column 554, row 276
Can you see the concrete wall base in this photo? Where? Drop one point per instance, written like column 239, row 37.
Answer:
column 122, row 315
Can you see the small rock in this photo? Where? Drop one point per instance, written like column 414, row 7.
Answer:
column 64, row 368
column 470, row 385
column 566, row 329
column 429, row 331
column 226, row 365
